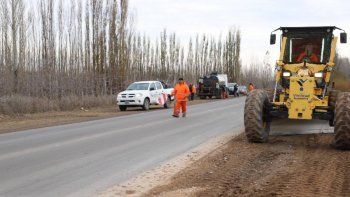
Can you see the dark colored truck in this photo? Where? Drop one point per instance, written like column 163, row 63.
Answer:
column 214, row 85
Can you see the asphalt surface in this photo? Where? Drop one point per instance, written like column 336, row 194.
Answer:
column 85, row 158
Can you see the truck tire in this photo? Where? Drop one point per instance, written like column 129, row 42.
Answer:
column 122, row 107
column 257, row 125
column 332, row 98
column 342, row 122
column 222, row 96
column 167, row 104
column 146, row 104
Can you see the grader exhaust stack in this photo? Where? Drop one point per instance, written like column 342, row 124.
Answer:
column 302, row 90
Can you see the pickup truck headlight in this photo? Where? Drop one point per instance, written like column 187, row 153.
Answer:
column 319, row 75
column 286, row 74
column 139, row 95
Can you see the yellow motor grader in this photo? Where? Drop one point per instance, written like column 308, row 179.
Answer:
column 303, row 88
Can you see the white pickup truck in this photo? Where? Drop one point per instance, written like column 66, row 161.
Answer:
column 144, row 94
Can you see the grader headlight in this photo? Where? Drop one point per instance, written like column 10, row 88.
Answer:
column 286, row 74
column 319, row 75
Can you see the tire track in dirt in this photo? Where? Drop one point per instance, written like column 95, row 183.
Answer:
column 302, row 165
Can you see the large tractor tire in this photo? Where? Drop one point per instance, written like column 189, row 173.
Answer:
column 342, row 122
column 256, row 122
column 332, row 98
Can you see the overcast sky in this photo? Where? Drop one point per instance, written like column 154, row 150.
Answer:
column 255, row 18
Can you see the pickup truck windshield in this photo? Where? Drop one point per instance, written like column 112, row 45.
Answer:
column 138, row 86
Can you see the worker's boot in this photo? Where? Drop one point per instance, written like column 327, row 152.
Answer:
column 183, row 115
column 175, row 116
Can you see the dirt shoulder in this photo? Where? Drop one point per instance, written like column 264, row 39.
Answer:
column 302, row 165
column 39, row 120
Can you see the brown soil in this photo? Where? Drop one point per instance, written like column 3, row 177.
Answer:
column 39, row 120
column 302, row 165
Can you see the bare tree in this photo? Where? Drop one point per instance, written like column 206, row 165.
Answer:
column 71, row 48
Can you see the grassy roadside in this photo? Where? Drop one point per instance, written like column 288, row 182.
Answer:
column 46, row 119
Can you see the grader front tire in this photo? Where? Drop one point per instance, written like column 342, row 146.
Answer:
column 332, row 99
column 342, row 122
column 257, row 127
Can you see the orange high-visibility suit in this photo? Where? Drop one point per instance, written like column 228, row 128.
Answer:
column 313, row 57
column 181, row 93
column 194, row 90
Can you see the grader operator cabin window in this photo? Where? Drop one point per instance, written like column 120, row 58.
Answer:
column 304, row 49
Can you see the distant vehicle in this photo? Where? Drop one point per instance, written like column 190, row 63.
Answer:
column 143, row 94
column 231, row 88
column 242, row 90
column 214, row 85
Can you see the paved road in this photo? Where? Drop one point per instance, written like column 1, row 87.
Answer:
column 85, row 158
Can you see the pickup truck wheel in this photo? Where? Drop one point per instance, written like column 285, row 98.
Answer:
column 167, row 104
column 122, row 107
column 146, row 104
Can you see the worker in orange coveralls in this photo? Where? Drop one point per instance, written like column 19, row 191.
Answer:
column 193, row 91
column 181, row 93
column 308, row 54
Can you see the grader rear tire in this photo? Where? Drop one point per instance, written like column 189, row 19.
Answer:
column 342, row 122
column 257, row 125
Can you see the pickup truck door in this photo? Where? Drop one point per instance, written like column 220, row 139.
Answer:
column 160, row 92
column 153, row 93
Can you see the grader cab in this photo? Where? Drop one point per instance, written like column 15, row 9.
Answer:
column 303, row 88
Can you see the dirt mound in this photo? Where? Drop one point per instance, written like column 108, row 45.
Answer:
column 303, row 165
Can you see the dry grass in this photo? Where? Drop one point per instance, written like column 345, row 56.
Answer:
column 22, row 113
column 19, row 105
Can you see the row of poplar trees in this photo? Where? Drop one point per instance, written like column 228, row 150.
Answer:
column 55, row 48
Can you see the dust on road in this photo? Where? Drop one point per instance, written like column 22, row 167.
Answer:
column 301, row 165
